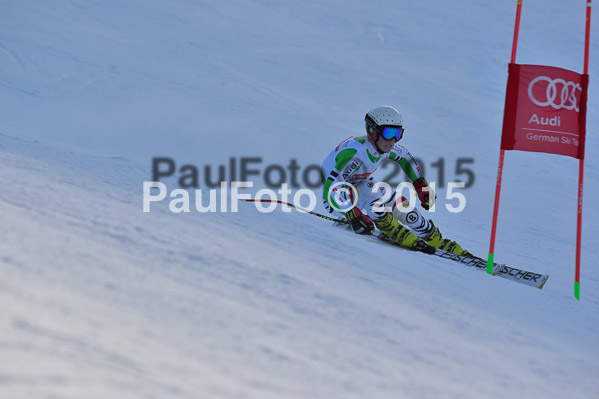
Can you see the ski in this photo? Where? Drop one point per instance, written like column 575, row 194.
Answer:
column 525, row 277
column 521, row 276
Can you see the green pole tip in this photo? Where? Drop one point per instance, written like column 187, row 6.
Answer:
column 577, row 290
column 490, row 264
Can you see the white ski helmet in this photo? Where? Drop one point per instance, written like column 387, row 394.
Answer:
column 384, row 116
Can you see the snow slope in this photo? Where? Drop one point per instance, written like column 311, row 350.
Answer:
column 98, row 299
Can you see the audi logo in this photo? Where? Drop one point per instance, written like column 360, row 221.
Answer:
column 567, row 96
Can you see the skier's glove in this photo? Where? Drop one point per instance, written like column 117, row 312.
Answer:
column 424, row 195
column 360, row 223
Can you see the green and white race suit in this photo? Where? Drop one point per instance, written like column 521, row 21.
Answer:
column 353, row 162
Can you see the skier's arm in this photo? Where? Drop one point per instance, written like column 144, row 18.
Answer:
column 344, row 167
column 347, row 162
column 410, row 167
column 407, row 162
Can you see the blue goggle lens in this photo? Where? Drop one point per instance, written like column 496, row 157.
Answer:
column 390, row 132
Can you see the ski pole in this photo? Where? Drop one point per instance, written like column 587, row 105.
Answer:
column 332, row 219
column 377, row 233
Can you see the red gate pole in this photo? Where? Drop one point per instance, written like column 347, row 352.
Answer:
column 587, row 37
column 502, row 153
column 516, row 31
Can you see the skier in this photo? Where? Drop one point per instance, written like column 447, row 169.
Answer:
column 349, row 188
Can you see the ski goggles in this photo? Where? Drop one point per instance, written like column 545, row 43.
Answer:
column 389, row 132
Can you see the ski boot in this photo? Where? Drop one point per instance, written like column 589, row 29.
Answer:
column 394, row 232
column 435, row 239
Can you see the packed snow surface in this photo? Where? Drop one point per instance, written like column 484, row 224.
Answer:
column 99, row 299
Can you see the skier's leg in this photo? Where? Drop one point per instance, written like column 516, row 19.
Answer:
column 425, row 228
column 378, row 204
